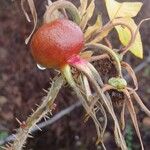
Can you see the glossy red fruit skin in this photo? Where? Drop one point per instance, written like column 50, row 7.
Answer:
column 54, row 43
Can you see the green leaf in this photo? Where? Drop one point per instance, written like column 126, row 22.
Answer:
column 125, row 36
column 127, row 10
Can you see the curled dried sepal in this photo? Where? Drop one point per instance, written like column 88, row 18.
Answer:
column 122, row 117
column 34, row 15
column 93, row 29
column 55, row 15
column 82, row 8
column 139, row 101
column 87, row 15
column 62, row 5
column 96, row 105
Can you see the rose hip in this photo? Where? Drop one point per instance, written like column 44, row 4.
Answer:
column 54, row 43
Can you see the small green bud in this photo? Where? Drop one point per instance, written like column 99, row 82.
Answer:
column 117, row 82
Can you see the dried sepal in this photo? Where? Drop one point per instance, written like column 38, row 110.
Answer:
column 55, row 15
column 122, row 116
column 139, row 101
column 87, row 15
column 93, row 29
column 83, row 7
column 34, row 16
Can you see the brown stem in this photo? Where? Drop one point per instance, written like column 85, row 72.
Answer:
column 98, row 57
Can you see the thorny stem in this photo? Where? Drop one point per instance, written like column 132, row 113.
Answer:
column 65, row 5
column 24, row 132
column 108, row 51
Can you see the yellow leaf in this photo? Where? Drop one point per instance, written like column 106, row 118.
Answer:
column 87, row 16
column 92, row 29
column 125, row 9
column 125, row 36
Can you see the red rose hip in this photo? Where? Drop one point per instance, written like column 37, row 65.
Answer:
column 54, row 43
